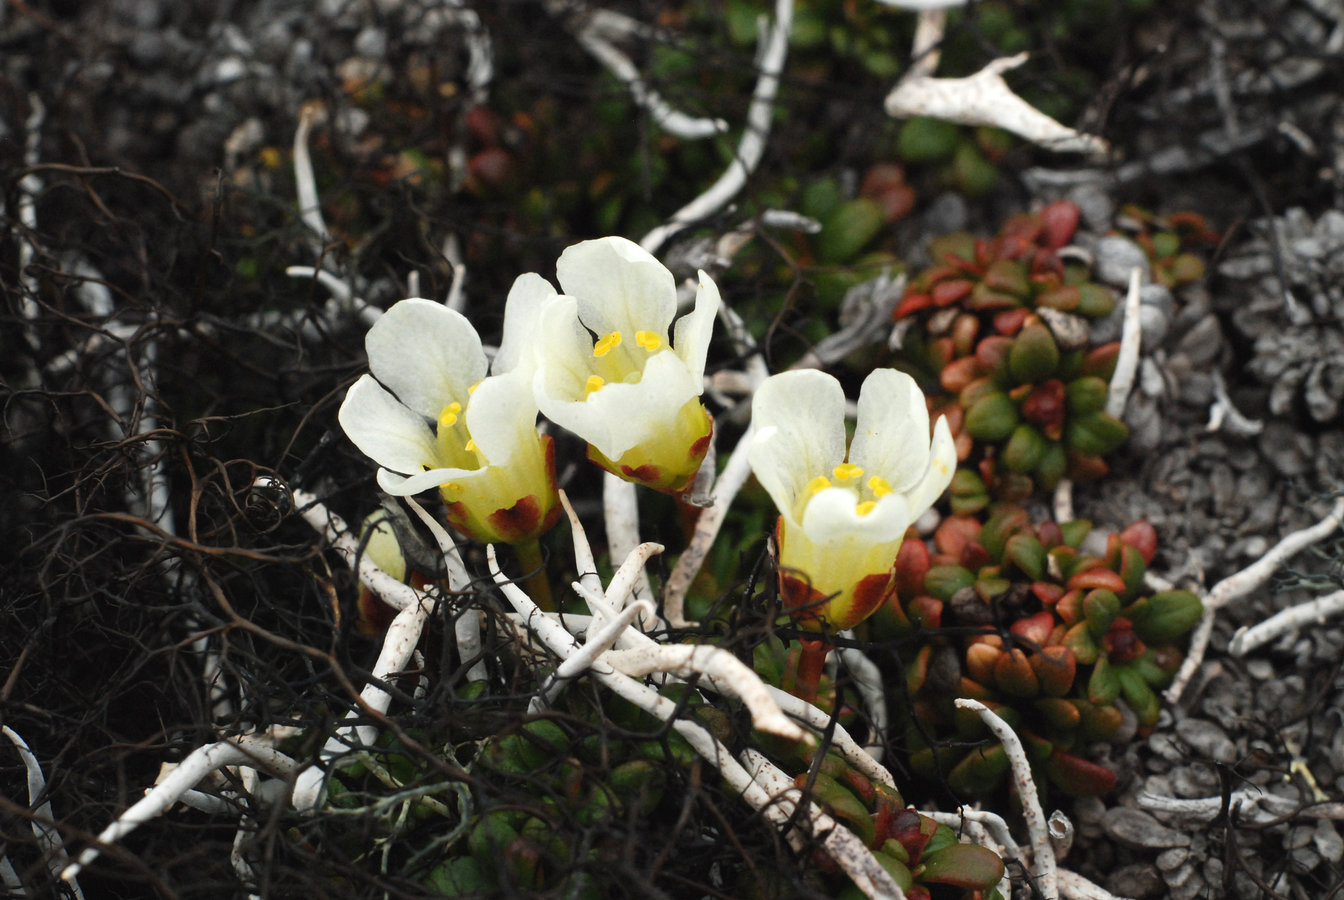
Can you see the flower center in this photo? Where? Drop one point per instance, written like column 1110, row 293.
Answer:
column 617, row 362
column 456, row 449
column 849, row 476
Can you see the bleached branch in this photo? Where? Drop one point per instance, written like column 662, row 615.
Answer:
column 751, row 147
column 44, row 828
column 1241, row 583
column 1042, row 851
column 1127, row 362
column 1294, row 617
column 188, row 773
column 985, row 99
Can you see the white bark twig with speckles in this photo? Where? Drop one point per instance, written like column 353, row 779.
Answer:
column 1042, row 851
column 1241, row 583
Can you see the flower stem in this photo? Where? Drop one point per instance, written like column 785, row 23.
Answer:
column 534, row 580
column 811, row 661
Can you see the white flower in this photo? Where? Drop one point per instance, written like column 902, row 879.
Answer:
column 495, row 472
column 843, row 515
column 604, row 368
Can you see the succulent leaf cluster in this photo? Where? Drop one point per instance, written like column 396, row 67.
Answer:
column 1002, row 326
column 1170, row 242
column 924, row 857
column 1049, row 636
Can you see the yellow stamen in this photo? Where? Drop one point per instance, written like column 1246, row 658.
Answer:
column 649, row 340
column 606, row 344
column 866, row 507
column 448, row 418
column 470, row 446
column 472, row 389
column 817, row 485
column 879, row 486
column 594, row 384
column 453, row 487
column 846, row 471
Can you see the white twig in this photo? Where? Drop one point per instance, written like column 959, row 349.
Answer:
column 925, row 51
column 1061, row 834
column 985, row 99
column 199, row 764
column 1241, row 583
column 841, row 740
column 9, row 879
column 725, row 673
column 310, row 208
column 44, row 820
column 398, row 644
column 620, row 512
column 343, row 301
column 841, row 844
column 869, row 683
column 1042, row 851
column 338, row 535
column 467, row 626
column 751, row 147
column 584, row 563
column 1127, row 363
column 1294, row 617
column 1224, row 415
column 586, row 656
column 1076, row 887
column 1062, row 501
column 670, row 120
column 1251, row 805
column 730, row 481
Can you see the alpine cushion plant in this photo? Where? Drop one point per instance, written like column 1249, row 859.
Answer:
column 606, row 370
column 843, row 514
column 496, row 473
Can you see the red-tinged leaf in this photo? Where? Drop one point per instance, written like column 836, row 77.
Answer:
column 1048, row 594
column 1078, row 777
column 1010, row 320
column 980, row 772
column 955, row 532
column 1142, row 537
column 992, row 352
column 1064, row 297
column 912, row 831
column 950, row 291
column 1059, row 222
column 1014, row 676
column 1055, row 669
column 926, row 611
column 1034, row 629
column 965, row 330
column 1100, row 361
column 912, row 564
column 910, row 304
column 1070, row 607
column 967, row 866
column 1097, row 577
column 957, row 374
column 980, row 660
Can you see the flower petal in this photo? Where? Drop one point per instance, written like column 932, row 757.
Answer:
column 938, row 475
column 799, row 419
column 384, row 430
column 522, row 310
column 502, row 416
column 832, row 516
column 426, row 354
column 619, row 286
column 619, row 415
column 692, row 332
column 891, row 438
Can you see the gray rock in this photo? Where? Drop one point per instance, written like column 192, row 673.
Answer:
column 1136, row 828
column 1327, row 841
column 1193, row 781
column 1141, row 881
column 1116, row 257
column 1207, row 739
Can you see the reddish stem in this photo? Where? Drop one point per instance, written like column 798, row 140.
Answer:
column 811, row 661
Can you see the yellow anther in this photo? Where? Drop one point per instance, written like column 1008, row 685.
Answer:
column 606, row 343
column 879, row 486
column 817, row 485
column 448, row 418
column 846, row 471
column 452, row 487
column 649, row 340
column 866, row 507
column 470, row 446
column 472, row 389
column 595, row 383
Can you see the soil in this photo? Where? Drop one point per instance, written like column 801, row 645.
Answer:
column 158, row 360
